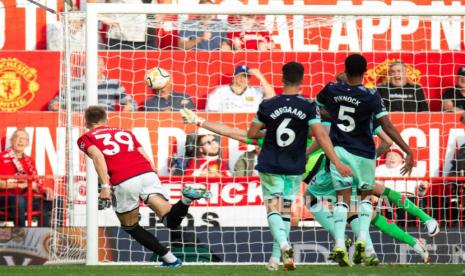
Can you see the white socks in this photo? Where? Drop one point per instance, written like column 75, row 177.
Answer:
column 169, row 257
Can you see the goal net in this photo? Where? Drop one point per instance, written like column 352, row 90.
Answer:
column 198, row 53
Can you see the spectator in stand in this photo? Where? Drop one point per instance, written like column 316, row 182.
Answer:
column 399, row 95
column 208, row 159
column 239, row 96
column 127, row 31
column 197, row 34
column 250, row 35
column 166, row 99
column 245, row 165
column 409, row 188
column 76, row 34
column 13, row 191
column 110, row 92
column 453, row 99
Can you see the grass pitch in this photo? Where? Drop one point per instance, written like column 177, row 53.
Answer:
column 239, row 270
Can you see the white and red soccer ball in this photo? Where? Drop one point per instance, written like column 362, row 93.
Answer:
column 157, row 78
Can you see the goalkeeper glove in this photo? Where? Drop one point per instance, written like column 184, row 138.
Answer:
column 190, row 117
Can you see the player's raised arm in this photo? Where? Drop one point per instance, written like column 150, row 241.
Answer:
column 382, row 116
column 267, row 88
column 386, row 142
column 255, row 129
column 102, row 170
column 327, row 145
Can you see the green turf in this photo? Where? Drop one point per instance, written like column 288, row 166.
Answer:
column 239, row 270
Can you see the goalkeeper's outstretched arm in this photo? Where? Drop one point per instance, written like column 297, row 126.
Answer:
column 225, row 130
column 190, row 117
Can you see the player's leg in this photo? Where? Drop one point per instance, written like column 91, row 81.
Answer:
column 286, row 216
column 314, row 164
column 403, row 202
column 364, row 214
column 364, row 173
column 278, row 230
column 340, row 214
column 156, row 197
column 126, row 202
column 343, row 187
column 273, row 189
column 292, row 184
column 273, row 262
column 319, row 190
column 391, row 229
column 130, row 224
column 321, row 193
column 369, row 258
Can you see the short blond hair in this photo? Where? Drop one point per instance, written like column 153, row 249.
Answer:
column 15, row 133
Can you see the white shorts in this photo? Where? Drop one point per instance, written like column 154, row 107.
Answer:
column 128, row 193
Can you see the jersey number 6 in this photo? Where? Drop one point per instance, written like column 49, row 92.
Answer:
column 282, row 129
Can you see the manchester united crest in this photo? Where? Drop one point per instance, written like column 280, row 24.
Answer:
column 18, row 84
column 379, row 74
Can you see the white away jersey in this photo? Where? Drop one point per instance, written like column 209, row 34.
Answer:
column 223, row 99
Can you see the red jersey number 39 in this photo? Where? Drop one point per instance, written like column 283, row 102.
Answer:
column 114, row 143
column 120, row 149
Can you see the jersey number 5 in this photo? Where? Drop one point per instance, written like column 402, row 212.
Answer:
column 119, row 138
column 349, row 122
column 282, row 129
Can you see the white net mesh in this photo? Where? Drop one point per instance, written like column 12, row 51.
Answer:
column 201, row 54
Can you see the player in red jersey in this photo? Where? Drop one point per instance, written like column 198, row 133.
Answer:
column 126, row 171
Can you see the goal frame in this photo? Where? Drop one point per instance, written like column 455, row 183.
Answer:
column 94, row 9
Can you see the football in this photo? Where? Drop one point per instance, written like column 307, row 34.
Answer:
column 157, row 78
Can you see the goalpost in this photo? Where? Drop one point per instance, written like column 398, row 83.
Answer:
column 221, row 233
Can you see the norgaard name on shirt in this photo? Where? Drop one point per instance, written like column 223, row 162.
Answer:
column 287, row 109
column 348, row 99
